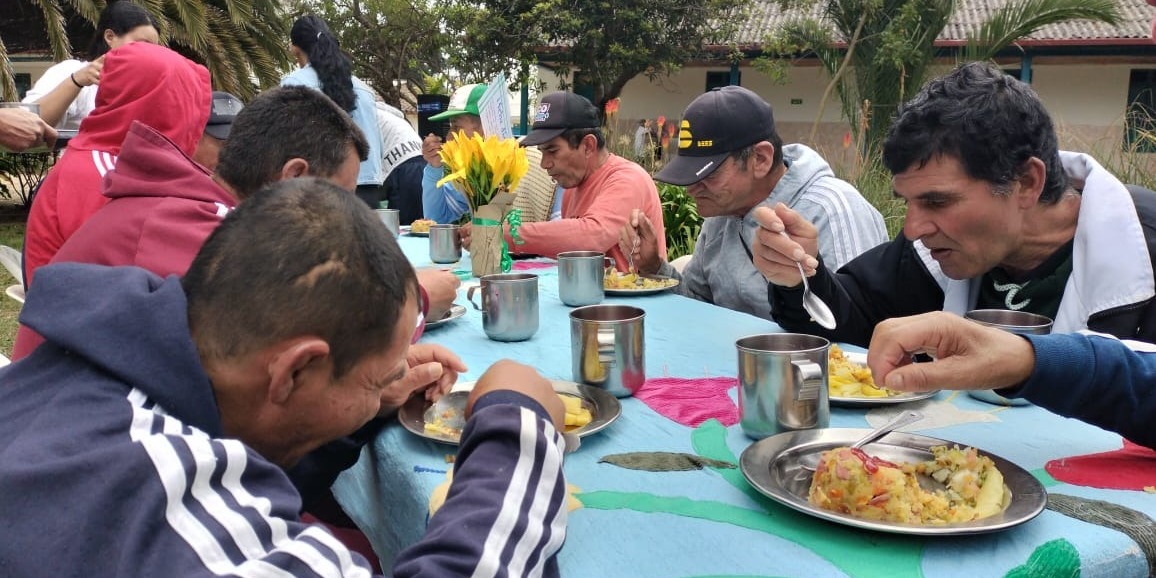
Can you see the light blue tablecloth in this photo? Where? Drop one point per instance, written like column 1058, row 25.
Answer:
column 709, row 523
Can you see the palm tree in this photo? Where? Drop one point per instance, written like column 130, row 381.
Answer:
column 890, row 46
column 241, row 42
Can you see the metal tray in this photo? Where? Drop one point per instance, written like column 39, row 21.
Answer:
column 907, row 397
column 413, row 415
column 455, row 312
column 772, row 466
column 641, row 291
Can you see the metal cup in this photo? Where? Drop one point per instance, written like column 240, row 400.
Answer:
column 391, row 218
column 33, row 107
column 607, row 348
column 445, row 244
column 580, row 276
column 509, row 305
column 1020, row 322
column 782, row 383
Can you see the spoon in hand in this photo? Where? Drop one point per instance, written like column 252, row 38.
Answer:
column 810, row 461
column 814, row 306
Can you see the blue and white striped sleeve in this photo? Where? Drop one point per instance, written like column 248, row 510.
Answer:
column 444, row 204
column 505, row 515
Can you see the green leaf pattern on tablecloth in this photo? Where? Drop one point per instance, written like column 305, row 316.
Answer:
column 1055, row 559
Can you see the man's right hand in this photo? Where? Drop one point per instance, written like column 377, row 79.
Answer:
column 513, row 376
column 441, row 287
column 638, row 236
column 431, row 148
column 775, row 255
column 20, row 130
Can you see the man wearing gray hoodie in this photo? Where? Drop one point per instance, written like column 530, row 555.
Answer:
column 732, row 160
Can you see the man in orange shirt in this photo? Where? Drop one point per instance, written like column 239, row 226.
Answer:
column 602, row 189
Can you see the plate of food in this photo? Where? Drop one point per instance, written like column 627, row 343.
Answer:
column 588, row 410
column 904, row 483
column 455, row 312
column 624, row 284
column 850, row 384
column 420, row 227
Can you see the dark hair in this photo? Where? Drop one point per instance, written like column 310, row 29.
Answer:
column 301, row 257
column 120, row 17
column 573, row 136
column 282, row 124
column 334, row 70
column 989, row 121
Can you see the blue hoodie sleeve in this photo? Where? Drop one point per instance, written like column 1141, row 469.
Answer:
column 505, row 514
column 443, row 204
column 1095, row 379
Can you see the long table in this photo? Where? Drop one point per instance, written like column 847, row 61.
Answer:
column 710, row 522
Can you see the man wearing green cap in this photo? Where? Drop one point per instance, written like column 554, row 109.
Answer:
column 446, row 204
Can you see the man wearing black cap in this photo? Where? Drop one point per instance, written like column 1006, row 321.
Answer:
column 602, row 189
column 732, row 160
column 224, row 109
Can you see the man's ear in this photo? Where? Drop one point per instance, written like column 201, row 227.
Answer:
column 294, row 167
column 1031, row 182
column 288, row 362
column 762, row 160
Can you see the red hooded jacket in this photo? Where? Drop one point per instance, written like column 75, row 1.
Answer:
column 140, row 81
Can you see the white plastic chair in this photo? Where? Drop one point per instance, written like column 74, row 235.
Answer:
column 680, row 263
column 4, row 360
column 13, row 262
column 16, row 292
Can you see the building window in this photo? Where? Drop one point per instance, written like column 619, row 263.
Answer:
column 23, row 83
column 717, row 78
column 1140, row 117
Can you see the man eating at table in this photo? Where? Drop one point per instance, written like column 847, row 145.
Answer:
column 732, row 160
column 148, row 435
column 997, row 218
column 601, row 188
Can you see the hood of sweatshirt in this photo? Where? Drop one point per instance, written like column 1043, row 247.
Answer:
column 153, row 85
column 151, row 165
column 132, row 325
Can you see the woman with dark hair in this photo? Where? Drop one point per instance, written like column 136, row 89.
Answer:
column 66, row 92
column 323, row 66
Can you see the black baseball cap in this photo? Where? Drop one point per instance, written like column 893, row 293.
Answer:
column 557, row 112
column 716, row 124
column 224, row 111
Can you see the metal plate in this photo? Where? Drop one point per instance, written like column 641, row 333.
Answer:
column 416, row 234
column 772, row 467
column 454, row 312
column 906, row 397
column 640, row 291
column 604, row 407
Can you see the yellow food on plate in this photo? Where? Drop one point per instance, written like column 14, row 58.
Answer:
column 851, row 482
column 849, row 379
column 439, row 425
column 633, row 281
column 421, row 226
column 577, row 416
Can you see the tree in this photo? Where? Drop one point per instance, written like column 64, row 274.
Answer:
column 241, row 42
column 606, row 43
column 890, row 46
column 393, row 43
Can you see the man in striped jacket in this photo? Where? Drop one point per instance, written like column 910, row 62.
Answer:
column 148, row 435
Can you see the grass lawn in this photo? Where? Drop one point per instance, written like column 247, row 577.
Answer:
column 11, row 234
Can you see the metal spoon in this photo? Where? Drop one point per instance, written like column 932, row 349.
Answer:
column 811, row 461
column 814, row 306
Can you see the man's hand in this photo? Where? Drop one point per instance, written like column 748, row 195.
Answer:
column 967, row 354
column 20, row 130
column 431, row 147
column 513, row 376
column 433, row 370
column 638, row 237
column 464, row 234
column 441, row 287
column 774, row 254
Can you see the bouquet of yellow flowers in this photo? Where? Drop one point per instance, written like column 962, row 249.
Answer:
column 483, row 167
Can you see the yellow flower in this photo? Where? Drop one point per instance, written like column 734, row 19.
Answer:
column 480, row 167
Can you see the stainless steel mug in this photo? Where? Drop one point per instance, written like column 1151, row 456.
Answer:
column 607, row 347
column 445, row 244
column 509, row 305
column 1020, row 322
column 391, row 219
column 580, row 275
column 782, row 383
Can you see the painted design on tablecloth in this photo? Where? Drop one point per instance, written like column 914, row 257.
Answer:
column 1136, row 525
column 1055, row 559
column 532, row 265
column 879, row 555
column 1132, row 467
column 663, row 462
column 936, row 414
column 691, row 402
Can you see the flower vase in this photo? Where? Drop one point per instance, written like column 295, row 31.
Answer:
column 486, row 248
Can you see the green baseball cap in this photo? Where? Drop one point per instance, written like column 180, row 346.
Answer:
column 463, row 101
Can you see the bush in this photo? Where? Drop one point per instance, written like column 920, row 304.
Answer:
column 21, row 173
column 681, row 218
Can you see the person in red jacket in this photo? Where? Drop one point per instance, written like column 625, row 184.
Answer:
column 140, row 82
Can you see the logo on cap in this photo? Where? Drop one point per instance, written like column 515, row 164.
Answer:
column 543, row 112
column 686, row 138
